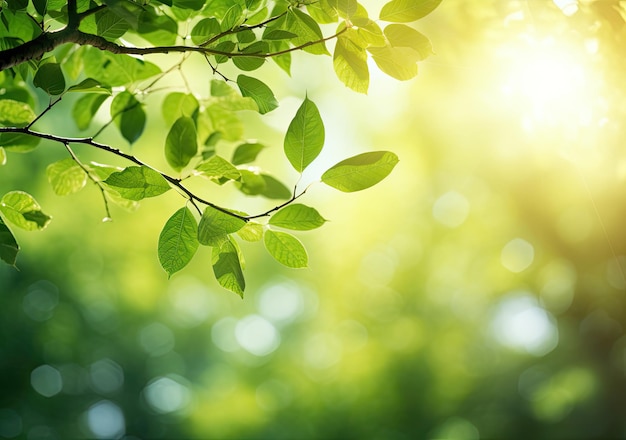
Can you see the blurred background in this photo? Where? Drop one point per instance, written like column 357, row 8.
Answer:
column 478, row 292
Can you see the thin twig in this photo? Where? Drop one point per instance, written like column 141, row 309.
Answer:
column 51, row 104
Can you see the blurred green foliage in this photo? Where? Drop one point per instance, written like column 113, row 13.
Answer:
column 478, row 293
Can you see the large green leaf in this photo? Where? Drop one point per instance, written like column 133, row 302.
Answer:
column 137, row 183
column 305, row 136
column 397, row 62
column 215, row 225
column 49, row 78
column 361, row 171
column 111, row 25
column 259, row 92
column 401, row 35
column 177, row 104
column 308, row 31
column 66, row 176
column 297, row 217
column 23, row 211
column 227, row 266
column 204, row 30
column 404, row 11
column 286, row 249
column 15, row 113
column 128, row 115
column 350, row 63
column 181, row 144
column 178, row 241
column 217, row 168
column 8, row 246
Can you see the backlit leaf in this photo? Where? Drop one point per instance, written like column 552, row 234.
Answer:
column 66, row 176
column 215, row 225
column 259, row 92
column 404, row 11
column 305, row 136
column 227, row 267
column 85, row 109
column 8, row 246
column 137, row 183
column 15, row 113
column 297, row 217
column 397, row 62
column 361, row 171
column 286, row 249
column 23, row 211
column 350, row 63
column 217, row 167
column 400, row 35
column 181, row 144
column 178, row 241
column 90, row 85
column 177, row 104
column 251, row 232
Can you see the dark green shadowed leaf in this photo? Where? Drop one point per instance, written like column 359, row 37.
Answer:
column 297, row 217
column 50, row 79
column 286, row 249
column 361, row 171
column 274, row 188
column 246, row 153
column 128, row 115
column 181, row 143
column 404, row 11
column 215, row 225
column 18, row 142
column 66, row 177
column 305, row 136
column 137, row 183
column 22, row 210
column 227, row 266
column 259, row 92
column 85, row 109
column 178, row 241
column 8, row 246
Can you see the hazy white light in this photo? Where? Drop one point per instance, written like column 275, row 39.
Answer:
column 167, row 394
column 281, row 302
column 322, row 351
column 451, row 209
column 223, row 334
column 106, row 420
column 517, row 255
column 257, row 335
column 520, row 323
column 156, row 339
column 568, row 7
column 46, row 380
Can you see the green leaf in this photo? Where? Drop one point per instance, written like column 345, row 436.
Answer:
column 247, row 152
column 400, row 35
column 278, row 34
column 178, row 241
column 181, row 144
column 18, row 142
column 322, row 12
column 15, row 113
column 227, row 267
column 305, row 136
column 137, row 183
column 217, row 167
column 286, row 249
column 307, row 30
column 252, row 231
column 90, row 85
column 204, row 30
column 252, row 62
column 397, row 62
column 361, row 171
column 66, row 177
column 346, row 8
column 8, row 246
column 85, row 108
column 404, row 11
column 233, row 18
column 274, row 189
column 50, row 79
column 215, row 225
column 251, row 183
column 23, row 211
column 225, row 122
column 128, row 115
column 350, row 63
column 3, row 156
column 259, row 92
column 298, row 217
column 110, row 25
column 179, row 104
column 116, row 69
column 370, row 34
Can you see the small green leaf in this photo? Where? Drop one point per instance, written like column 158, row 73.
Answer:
column 181, row 144
column 204, row 30
column 179, row 104
column 404, row 11
column 227, row 267
column 274, row 189
column 15, row 113
column 259, row 92
column 8, row 246
column 128, row 115
column 217, row 167
column 50, row 79
column 305, row 136
column 361, row 171
column 66, row 177
column 286, row 249
column 3, row 156
column 297, row 217
column 137, row 183
column 252, row 182
column 246, row 152
column 90, row 85
column 350, row 63
column 85, row 109
column 215, row 225
column 252, row 62
column 23, row 211
column 178, row 241
column 251, row 231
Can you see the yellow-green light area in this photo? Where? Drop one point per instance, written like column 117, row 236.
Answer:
column 477, row 292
